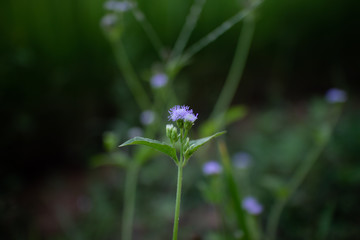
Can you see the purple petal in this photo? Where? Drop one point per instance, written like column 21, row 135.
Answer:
column 251, row 205
column 211, row 168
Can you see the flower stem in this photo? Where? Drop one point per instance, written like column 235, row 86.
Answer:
column 149, row 30
column 237, row 66
column 213, row 35
column 129, row 201
column 178, row 190
column 189, row 26
column 177, row 204
column 130, row 76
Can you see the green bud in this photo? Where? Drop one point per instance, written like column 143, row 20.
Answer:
column 187, row 143
column 187, row 152
column 169, row 129
column 174, row 135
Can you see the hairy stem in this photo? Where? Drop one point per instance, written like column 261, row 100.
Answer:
column 177, row 204
column 178, row 190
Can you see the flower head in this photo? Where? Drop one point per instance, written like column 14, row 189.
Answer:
column 135, row 132
column 242, row 160
column 117, row 6
column 251, row 205
column 147, row 117
column 182, row 113
column 109, row 21
column 212, row 168
column 159, row 80
column 335, row 95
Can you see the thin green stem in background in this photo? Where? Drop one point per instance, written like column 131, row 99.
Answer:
column 299, row 176
column 130, row 76
column 129, row 200
column 189, row 26
column 212, row 36
column 149, row 30
column 237, row 67
column 233, row 190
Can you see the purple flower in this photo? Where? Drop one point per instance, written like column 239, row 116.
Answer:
column 108, row 21
column 335, row 95
column 159, row 80
column 118, row 6
column 147, row 117
column 211, row 168
column 182, row 113
column 135, row 132
column 242, row 160
column 251, row 205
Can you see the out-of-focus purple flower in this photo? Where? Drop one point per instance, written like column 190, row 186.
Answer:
column 118, row 6
column 242, row 160
column 159, row 80
column 335, row 95
column 108, row 21
column 147, row 117
column 251, row 205
column 135, row 132
column 211, row 168
column 182, row 113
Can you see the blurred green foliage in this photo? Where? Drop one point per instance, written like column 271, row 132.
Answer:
column 60, row 90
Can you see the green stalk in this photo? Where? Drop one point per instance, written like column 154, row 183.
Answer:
column 299, row 176
column 177, row 204
column 189, row 26
column 129, row 201
column 178, row 190
column 130, row 76
column 217, row 32
column 233, row 189
column 149, row 30
column 237, row 66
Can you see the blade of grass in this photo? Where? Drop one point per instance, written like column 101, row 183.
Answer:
column 233, row 189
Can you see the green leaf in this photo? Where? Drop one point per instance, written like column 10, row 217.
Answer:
column 196, row 144
column 160, row 146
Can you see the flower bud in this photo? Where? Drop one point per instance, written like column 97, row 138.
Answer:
column 169, row 128
column 187, row 143
column 174, row 134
